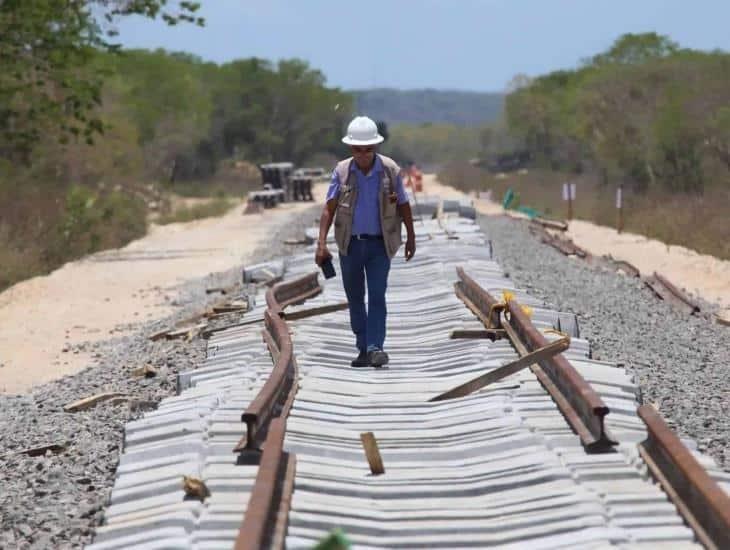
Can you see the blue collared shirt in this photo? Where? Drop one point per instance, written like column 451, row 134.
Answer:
column 366, row 216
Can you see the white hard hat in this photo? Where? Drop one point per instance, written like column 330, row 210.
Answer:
column 362, row 131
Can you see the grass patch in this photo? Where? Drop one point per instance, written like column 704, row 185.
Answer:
column 213, row 208
column 697, row 222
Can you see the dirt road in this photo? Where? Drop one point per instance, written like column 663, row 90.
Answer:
column 41, row 319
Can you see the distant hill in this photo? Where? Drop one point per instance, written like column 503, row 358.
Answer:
column 436, row 106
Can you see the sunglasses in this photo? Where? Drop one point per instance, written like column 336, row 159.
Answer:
column 356, row 149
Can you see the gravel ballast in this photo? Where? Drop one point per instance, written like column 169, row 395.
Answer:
column 681, row 362
column 55, row 500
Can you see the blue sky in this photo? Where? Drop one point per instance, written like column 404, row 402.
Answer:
column 445, row 44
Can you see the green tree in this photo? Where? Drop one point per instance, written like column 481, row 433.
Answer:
column 266, row 113
column 45, row 48
column 645, row 112
column 635, row 49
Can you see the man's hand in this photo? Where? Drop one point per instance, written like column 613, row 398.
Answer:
column 322, row 254
column 410, row 247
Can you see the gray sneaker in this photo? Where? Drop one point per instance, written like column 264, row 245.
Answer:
column 378, row 358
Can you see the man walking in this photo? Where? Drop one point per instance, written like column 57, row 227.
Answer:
column 368, row 203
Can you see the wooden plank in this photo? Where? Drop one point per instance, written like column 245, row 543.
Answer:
column 489, row 334
column 505, row 370
column 40, row 450
column 216, row 289
column 298, row 241
column 558, row 225
column 207, row 333
column 678, row 296
column 238, row 305
column 159, row 335
column 311, row 312
column 177, row 333
column 665, row 293
column 88, row 402
column 148, row 371
column 372, row 453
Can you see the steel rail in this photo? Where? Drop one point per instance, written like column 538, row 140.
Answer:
column 292, row 292
column 582, row 407
column 580, row 404
column 268, row 401
column 479, row 301
column 264, row 523
column 698, row 498
column 275, row 473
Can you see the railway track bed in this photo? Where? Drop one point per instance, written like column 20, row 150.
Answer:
column 498, row 467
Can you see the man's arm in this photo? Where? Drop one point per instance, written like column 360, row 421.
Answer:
column 405, row 212
column 404, row 209
column 325, row 221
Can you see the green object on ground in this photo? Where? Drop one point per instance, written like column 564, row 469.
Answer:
column 336, row 540
column 508, row 198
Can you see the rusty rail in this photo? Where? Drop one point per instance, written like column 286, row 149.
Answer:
column 700, row 500
column 577, row 400
column 582, row 407
column 268, row 402
column 292, row 292
column 264, row 523
column 479, row 301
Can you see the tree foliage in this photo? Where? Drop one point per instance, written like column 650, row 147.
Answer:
column 432, row 143
column 45, row 50
column 85, row 141
column 264, row 112
column 645, row 112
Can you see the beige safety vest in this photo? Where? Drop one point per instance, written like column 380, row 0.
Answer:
column 390, row 219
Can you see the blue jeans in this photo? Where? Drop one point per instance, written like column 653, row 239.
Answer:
column 366, row 259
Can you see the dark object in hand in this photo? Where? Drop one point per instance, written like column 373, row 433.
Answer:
column 328, row 269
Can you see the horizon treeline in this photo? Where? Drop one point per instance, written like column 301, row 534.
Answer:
column 164, row 111
column 646, row 113
column 162, row 121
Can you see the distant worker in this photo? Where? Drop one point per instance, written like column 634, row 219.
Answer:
column 368, row 203
column 415, row 178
